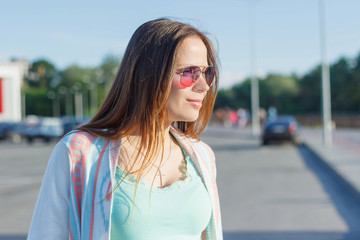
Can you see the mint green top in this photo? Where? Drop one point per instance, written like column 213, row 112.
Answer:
column 180, row 211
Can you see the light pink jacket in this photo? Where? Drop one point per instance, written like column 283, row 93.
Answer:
column 75, row 200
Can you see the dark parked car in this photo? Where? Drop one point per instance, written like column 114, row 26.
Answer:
column 283, row 128
column 17, row 132
column 70, row 122
column 5, row 129
column 45, row 128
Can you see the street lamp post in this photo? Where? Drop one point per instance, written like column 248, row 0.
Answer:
column 86, row 100
column 325, row 79
column 255, row 117
column 86, row 81
column 68, row 101
column 55, row 102
column 93, row 97
column 78, row 99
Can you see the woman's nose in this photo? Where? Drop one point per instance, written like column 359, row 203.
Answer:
column 200, row 84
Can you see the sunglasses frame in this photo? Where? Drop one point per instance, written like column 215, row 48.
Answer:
column 202, row 69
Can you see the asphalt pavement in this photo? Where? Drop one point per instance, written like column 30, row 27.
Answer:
column 277, row 196
column 281, row 191
column 342, row 156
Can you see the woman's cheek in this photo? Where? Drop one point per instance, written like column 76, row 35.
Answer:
column 176, row 82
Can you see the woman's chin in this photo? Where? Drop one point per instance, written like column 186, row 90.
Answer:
column 188, row 118
column 191, row 118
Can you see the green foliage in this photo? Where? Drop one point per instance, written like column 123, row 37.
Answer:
column 279, row 91
column 41, row 74
column 289, row 94
column 296, row 95
column 106, row 72
column 355, row 76
column 45, row 83
column 37, row 102
column 109, row 67
column 341, row 82
column 36, row 86
column 236, row 97
column 224, row 99
column 74, row 74
column 242, row 94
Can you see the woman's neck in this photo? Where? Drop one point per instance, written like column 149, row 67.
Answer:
column 135, row 137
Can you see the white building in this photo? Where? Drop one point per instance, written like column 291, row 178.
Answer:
column 11, row 79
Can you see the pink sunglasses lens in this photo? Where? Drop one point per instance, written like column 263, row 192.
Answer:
column 192, row 73
column 187, row 81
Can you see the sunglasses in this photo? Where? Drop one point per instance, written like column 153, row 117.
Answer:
column 190, row 74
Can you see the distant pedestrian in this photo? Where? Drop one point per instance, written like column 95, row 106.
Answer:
column 138, row 170
column 233, row 117
column 243, row 116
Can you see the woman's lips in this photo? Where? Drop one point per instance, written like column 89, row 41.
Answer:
column 195, row 102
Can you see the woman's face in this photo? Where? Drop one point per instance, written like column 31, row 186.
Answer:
column 185, row 102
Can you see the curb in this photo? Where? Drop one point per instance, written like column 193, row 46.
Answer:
column 343, row 180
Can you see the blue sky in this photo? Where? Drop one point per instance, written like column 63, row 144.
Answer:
column 83, row 32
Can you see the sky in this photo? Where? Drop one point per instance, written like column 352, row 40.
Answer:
column 286, row 33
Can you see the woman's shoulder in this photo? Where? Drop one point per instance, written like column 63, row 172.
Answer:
column 206, row 153
column 197, row 143
column 82, row 140
column 204, row 147
column 78, row 138
column 74, row 134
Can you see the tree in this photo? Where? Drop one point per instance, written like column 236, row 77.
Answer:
column 355, row 78
column 37, row 83
column 106, row 72
column 280, row 92
column 75, row 75
column 37, row 102
column 242, row 94
column 224, row 99
column 310, row 92
column 341, row 85
column 41, row 74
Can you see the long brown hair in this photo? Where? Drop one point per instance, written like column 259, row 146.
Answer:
column 138, row 97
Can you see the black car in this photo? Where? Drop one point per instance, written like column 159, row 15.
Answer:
column 283, row 128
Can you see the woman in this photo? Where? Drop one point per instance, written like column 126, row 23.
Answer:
column 138, row 170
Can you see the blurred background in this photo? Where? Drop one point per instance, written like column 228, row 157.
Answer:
column 285, row 127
